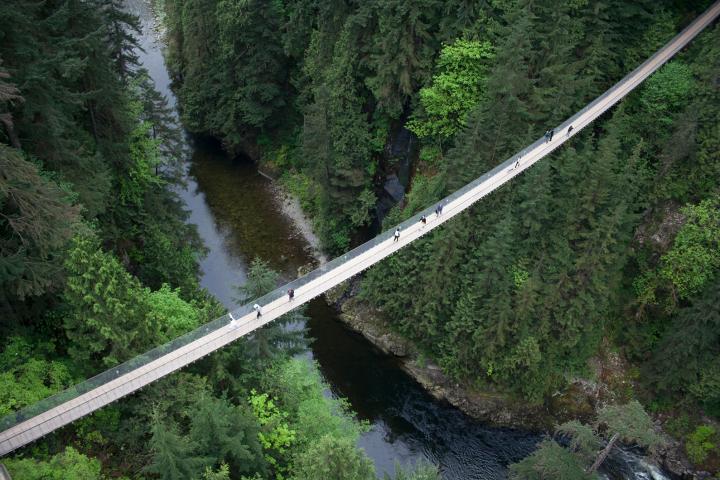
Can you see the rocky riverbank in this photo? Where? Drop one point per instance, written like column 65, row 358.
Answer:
column 290, row 207
column 611, row 382
column 579, row 401
column 495, row 408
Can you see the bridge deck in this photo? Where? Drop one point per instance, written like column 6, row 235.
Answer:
column 33, row 422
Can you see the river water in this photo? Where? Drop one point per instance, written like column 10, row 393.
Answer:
column 238, row 218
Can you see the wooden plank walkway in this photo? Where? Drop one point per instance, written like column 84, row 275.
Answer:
column 24, row 428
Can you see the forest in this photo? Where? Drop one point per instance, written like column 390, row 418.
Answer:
column 98, row 264
column 610, row 247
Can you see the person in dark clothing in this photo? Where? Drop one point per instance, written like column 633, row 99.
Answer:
column 549, row 135
column 396, row 236
column 438, row 209
column 291, row 295
column 423, row 220
column 258, row 309
column 569, row 131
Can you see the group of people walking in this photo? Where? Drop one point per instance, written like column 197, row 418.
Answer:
column 551, row 133
column 423, row 219
column 258, row 308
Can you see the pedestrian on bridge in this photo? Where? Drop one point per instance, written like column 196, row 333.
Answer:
column 569, row 131
column 291, row 294
column 423, row 220
column 438, row 210
column 396, row 236
column 258, row 309
column 549, row 135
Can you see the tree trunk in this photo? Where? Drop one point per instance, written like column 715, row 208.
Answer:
column 603, row 454
column 93, row 123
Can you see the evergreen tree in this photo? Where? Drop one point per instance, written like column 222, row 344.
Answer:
column 107, row 320
column 66, row 465
column 121, row 30
column 401, row 51
column 9, row 97
column 333, row 459
column 692, row 341
column 277, row 339
column 580, row 459
column 37, row 218
column 173, row 457
column 225, row 433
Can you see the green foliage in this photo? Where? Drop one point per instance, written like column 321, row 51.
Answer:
column 421, row 471
column 172, row 453
column 222, row 473
column 333, row 458
column 700, row 443
column 221, row 432
column 304, row 189
column 68, row 465
column 111, row 315
column 581, row 457
column 678, row 426
column 666, row 91
column 520, row 275
column 550, row 462
column 107, row 320
column 706, row 389
column 168, row 310
column 300, row 391
column 695, row 255
column 26, row 376
column 456, row 89
column 691, row 340
column 275, row 436
column 37, row 219
column 144, row 161
column 583, row 439
column 631, row 422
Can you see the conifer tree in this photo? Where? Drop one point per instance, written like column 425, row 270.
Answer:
column 225, row 433
column 122, row 29
column 38, row 219
column 173, row 457
column 278, row 338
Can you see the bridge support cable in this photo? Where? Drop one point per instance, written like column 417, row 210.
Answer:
column 35, row 421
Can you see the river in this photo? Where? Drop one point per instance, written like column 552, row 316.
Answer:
column 239, row 218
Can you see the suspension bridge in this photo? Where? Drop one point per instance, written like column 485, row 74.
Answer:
column 35, row 421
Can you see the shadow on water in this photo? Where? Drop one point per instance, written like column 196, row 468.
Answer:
column 407, row 424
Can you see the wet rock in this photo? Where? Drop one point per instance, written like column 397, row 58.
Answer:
column 394, row 189
column 493, row 407
column 365, row 320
